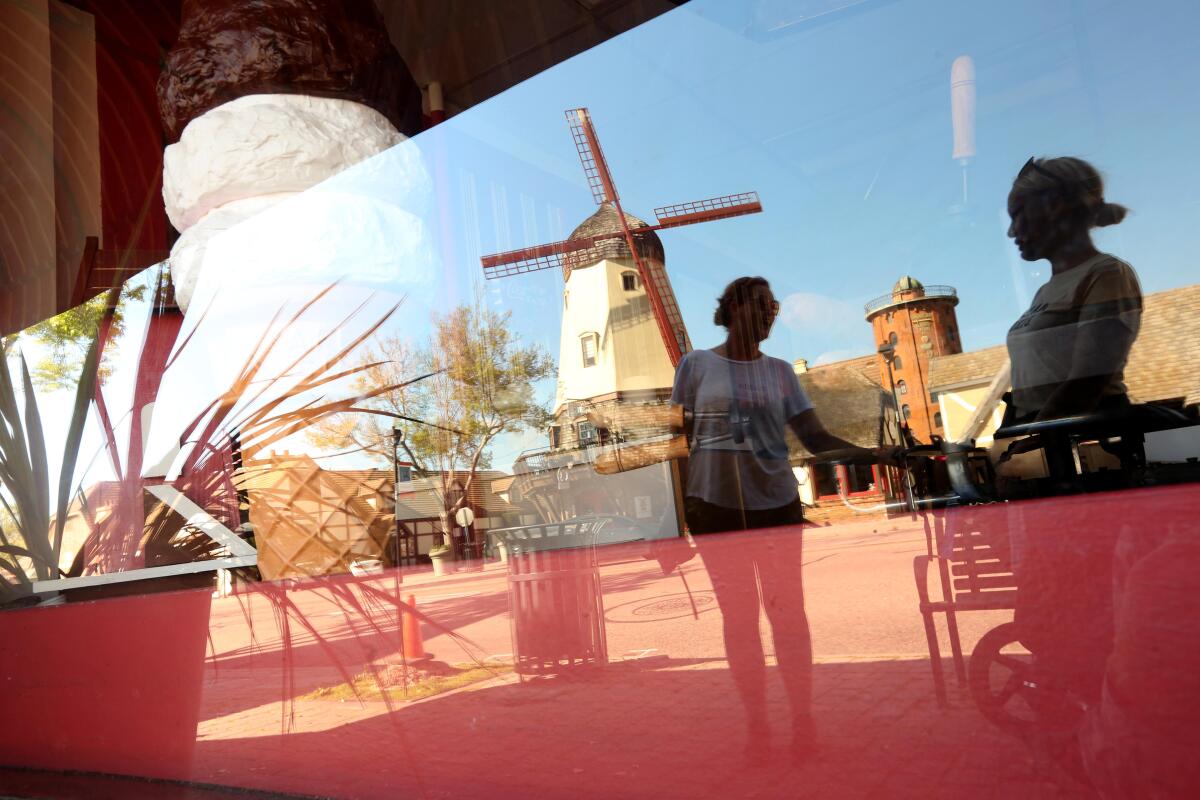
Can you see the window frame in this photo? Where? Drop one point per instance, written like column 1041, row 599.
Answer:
column 594, row 339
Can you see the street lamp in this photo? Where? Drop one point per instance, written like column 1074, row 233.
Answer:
column 397, row 441
column 888, row 351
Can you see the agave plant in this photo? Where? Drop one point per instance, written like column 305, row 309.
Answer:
column 259, row 411
column 30, row 543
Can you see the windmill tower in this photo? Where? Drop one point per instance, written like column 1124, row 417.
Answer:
column 622, row 332
column 611, row 350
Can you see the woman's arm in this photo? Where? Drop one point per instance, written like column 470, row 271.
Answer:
column 812, row 434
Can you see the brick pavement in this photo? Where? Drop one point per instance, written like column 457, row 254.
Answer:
column 666, row 724
column 646, row 728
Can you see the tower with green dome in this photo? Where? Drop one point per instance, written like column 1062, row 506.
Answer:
column 912, row 324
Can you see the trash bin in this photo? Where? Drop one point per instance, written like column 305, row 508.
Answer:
column 555, row 605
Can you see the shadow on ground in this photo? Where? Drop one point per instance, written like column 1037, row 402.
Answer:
column 655, row 728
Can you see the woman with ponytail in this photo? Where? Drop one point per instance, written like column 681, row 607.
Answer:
column 1068, row 351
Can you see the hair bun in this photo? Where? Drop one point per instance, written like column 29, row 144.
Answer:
column 1109, row 214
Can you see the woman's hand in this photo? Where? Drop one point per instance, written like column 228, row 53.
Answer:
column 845, row 455
column 1026, row 445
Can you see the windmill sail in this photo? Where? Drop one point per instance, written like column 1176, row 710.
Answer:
column 674, row 318
column 595, row 168
column 730, row 205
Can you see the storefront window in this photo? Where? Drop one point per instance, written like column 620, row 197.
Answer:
column 376, row 351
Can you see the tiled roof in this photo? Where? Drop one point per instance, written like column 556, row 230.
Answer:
column 976, row 366
column 421, row 498
column 605, row 220
column 1164, row 363
column 848, row 403
column 867, row 366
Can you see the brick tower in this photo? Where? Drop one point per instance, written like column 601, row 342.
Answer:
column 912, row 324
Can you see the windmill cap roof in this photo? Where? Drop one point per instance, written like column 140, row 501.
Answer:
column 604, row 221
column 907, row 283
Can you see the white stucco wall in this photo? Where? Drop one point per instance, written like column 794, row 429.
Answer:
column 631, row 355
column 957, row 407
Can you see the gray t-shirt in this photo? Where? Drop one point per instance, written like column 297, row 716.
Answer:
column 1081, row 324
column 740, row 411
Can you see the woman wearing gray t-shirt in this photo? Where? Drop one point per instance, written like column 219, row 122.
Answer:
column 1068, row 350
column 741, row 403
column 1068, row 353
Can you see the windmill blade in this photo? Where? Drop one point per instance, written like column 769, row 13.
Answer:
column 562, row 254
column 590, row 155
column 731, row 205
column 672, row 317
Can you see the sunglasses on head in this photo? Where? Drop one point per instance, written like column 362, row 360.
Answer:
column 1032, row 164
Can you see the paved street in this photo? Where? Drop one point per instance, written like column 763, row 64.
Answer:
column 663, row 719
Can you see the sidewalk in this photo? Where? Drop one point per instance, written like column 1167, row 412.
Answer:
column 661, row 720
column 643, row 729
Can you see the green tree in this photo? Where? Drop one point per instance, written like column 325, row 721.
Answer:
column 392, row 361
column 481, row 383
column 68, row 336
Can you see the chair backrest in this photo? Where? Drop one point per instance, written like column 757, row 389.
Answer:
column 981, row 563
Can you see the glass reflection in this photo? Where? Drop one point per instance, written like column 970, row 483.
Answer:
column 426, row 532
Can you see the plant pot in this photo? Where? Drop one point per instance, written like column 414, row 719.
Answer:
column 440, row 563
column 108, row 686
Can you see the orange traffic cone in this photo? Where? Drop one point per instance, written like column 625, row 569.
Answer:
column 414, row 648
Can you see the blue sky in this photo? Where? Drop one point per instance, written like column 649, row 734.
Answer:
column 695, row 103
column 841, row 122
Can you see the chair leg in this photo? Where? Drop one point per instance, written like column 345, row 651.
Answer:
column 935, row 658
column 960, row 666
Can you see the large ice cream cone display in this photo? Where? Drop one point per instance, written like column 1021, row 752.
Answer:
column 263, row 101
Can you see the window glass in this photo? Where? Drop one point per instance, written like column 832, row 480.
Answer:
column 587, row 433
column 860, row 478
column 826, row 480
column 306, row 380
column 588, row 344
